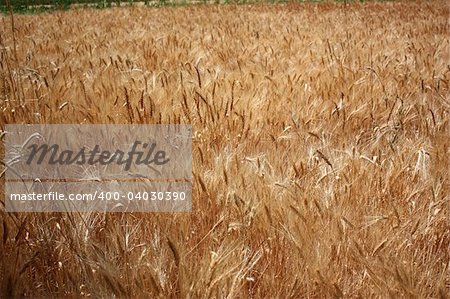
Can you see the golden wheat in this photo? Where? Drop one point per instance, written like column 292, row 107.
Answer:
column 320, row 149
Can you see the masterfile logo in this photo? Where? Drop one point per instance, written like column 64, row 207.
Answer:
column 52, row 155
column 98, row 167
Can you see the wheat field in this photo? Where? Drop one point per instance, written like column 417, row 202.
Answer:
column 320, row 149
